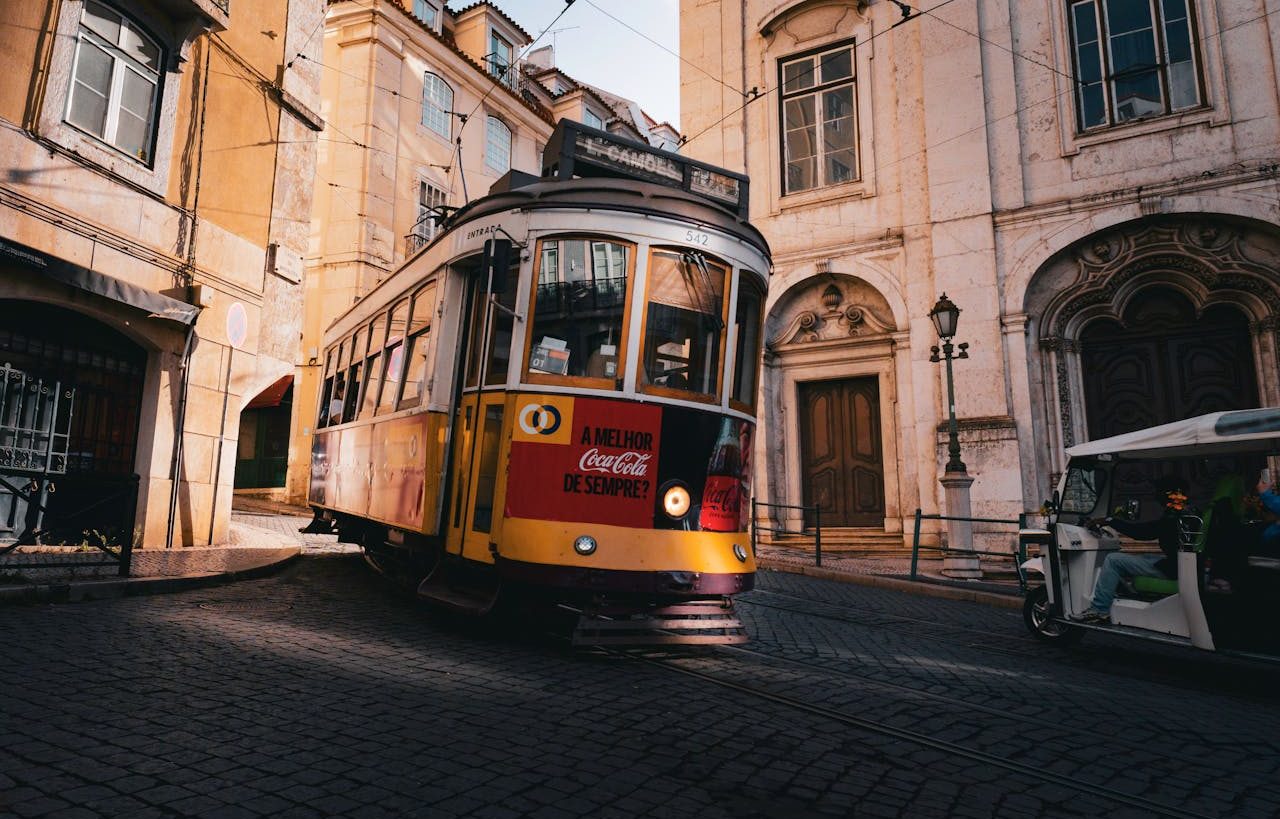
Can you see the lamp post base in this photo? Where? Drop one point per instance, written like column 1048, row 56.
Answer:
column 959, row 532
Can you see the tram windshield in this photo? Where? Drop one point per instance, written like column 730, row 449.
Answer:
column 579, row 309
column 684, row 323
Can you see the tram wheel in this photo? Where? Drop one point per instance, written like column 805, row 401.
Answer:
column 1035, row 613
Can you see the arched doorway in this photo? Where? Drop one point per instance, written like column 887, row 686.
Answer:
column 1153, row 320
column 1164, row 361
column 70, row 401
column 827, row 408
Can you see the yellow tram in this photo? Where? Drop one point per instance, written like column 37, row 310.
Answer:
column 558, row 393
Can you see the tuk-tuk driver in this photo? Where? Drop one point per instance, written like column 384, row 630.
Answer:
column 1123, row 566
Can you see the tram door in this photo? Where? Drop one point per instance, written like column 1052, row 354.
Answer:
column 477, row 473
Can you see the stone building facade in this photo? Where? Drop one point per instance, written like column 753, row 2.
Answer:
column 1093, row 182
column 155, row 192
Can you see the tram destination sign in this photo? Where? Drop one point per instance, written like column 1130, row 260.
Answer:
column 578, row 150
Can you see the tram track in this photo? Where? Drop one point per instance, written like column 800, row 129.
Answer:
column 1258, row 691
column 952, row 749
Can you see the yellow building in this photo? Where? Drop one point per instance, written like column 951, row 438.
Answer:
column 155, row 196
column 427, row 108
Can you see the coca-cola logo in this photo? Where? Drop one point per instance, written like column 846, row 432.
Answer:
column 632, row 464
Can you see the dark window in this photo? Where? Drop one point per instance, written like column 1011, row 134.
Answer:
column 1133, row 59
column 746, row 361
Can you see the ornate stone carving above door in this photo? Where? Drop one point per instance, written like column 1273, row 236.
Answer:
column 828, row 308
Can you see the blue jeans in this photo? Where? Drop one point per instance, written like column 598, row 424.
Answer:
column 1120, row 565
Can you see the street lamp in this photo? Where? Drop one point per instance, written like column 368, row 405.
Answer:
column 945, row 317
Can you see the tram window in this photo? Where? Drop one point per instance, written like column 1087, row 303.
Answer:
column 746, row 359
column 684, row 325
column 500, row 327
column 373, row 366
column 337, row 402
column 579, row 308
column 355, row 374
column 416, row 348
column 487, row 473
column 326, row 389
column 394, row 356
column 502, row 324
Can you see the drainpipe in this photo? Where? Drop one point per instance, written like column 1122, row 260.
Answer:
column 179, row 427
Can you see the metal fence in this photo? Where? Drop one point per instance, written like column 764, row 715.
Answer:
column 1025, row 537
column 75, row 513
column 817, row 526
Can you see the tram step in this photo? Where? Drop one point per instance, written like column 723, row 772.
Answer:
column 475, row 601
column 695, row 623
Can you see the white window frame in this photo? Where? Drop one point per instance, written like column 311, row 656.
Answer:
column 817, row 90
column 588, row 115
column 437, row 104
column 153, row 177
column 121, row 63
column 1111, row 115
column 497, row 152
column 430, row 200
column 501, row 63
column 428, row 13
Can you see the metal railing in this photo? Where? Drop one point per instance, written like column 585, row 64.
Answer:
column 101, row 515
column 817, row 526
column 1019, row 554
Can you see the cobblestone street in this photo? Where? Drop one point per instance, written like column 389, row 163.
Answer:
column 319, row 692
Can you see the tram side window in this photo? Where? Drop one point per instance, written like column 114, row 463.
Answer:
column 334, row 386
column 746, row 359
column 419, row 333
column 684, row 325
column 373, row 366
column 394, row 356
column 355, row 374
column 579, row 307
column 326, row 389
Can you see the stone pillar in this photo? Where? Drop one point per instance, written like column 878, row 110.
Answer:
column 959, row 532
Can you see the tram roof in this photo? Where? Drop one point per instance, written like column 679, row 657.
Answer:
column 628, row 195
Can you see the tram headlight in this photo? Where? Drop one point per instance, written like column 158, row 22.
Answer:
column 675, row 501
column 740, row 552
column 584, row 545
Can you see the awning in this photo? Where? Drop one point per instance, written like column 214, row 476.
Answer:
column 271, row 396
column 156, row 305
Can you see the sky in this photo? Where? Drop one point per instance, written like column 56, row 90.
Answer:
column 595, row 49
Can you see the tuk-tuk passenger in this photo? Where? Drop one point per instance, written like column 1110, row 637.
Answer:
column 1123, row 566
column 1271, row 502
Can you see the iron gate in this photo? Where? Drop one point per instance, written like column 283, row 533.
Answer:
column 70, row 397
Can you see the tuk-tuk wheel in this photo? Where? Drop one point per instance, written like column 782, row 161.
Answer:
column 1035, row 613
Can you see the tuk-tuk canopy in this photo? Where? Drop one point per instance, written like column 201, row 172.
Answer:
column 1217, row 433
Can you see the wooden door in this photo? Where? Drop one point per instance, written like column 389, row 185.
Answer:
column 1166, row 363
column 842, row 459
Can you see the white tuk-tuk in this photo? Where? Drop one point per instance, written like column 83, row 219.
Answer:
column 1239, row 617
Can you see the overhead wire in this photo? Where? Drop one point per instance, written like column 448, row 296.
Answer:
column 756, row 94
column 675, row 54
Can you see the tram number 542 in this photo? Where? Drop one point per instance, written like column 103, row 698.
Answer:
column 694, row 237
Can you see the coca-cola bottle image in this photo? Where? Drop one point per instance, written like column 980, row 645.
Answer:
column 722, row 493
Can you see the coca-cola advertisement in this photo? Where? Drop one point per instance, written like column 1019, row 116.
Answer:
column 722, row 500
column 584, row 459
column 594, row 460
